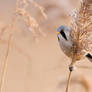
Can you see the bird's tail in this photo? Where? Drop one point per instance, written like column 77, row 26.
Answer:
column 89, row 56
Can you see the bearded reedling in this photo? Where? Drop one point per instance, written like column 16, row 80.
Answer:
column 76, row 41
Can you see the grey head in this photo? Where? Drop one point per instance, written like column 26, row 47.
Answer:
column 64, row 32
column 64, row 38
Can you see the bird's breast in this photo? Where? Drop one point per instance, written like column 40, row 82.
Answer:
column 66, row 47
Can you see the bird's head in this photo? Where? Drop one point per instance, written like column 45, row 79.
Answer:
column 64, row 38
column 63, row 33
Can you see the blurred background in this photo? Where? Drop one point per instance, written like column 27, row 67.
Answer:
column 39, row 65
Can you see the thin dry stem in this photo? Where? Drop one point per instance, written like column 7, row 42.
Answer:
column 80, row 80
column 72, row 64
column 68, row 81
column 6, row 56
column 40, row 7
column 81, row 33
column 31, row 23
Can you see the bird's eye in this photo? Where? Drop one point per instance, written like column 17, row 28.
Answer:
column 63, row 34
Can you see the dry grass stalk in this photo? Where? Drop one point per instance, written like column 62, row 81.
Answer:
column 82, row 30
column 3, row 29
column 79, row 80
column 40, row 7
column 70, row 73
column 6, row 56
column 81, row 33
column 83, row 81
column 30, row 21
column 4, row 69
column 68, row 81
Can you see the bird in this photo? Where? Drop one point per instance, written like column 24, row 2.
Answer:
column 64, row 39
column 76, row 40
column 66, row 43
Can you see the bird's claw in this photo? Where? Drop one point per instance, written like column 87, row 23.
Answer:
column 71, row 68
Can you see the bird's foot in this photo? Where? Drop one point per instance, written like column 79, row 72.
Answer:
column 71, row 68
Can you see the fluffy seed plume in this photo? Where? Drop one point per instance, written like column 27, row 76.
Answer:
column 81, row 34
column 31, row 23
column 82, row 30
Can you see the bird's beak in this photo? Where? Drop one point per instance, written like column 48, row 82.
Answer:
column 58, row 33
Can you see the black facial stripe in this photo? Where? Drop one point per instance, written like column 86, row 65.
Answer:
column 63, row 34
column 89, row 56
